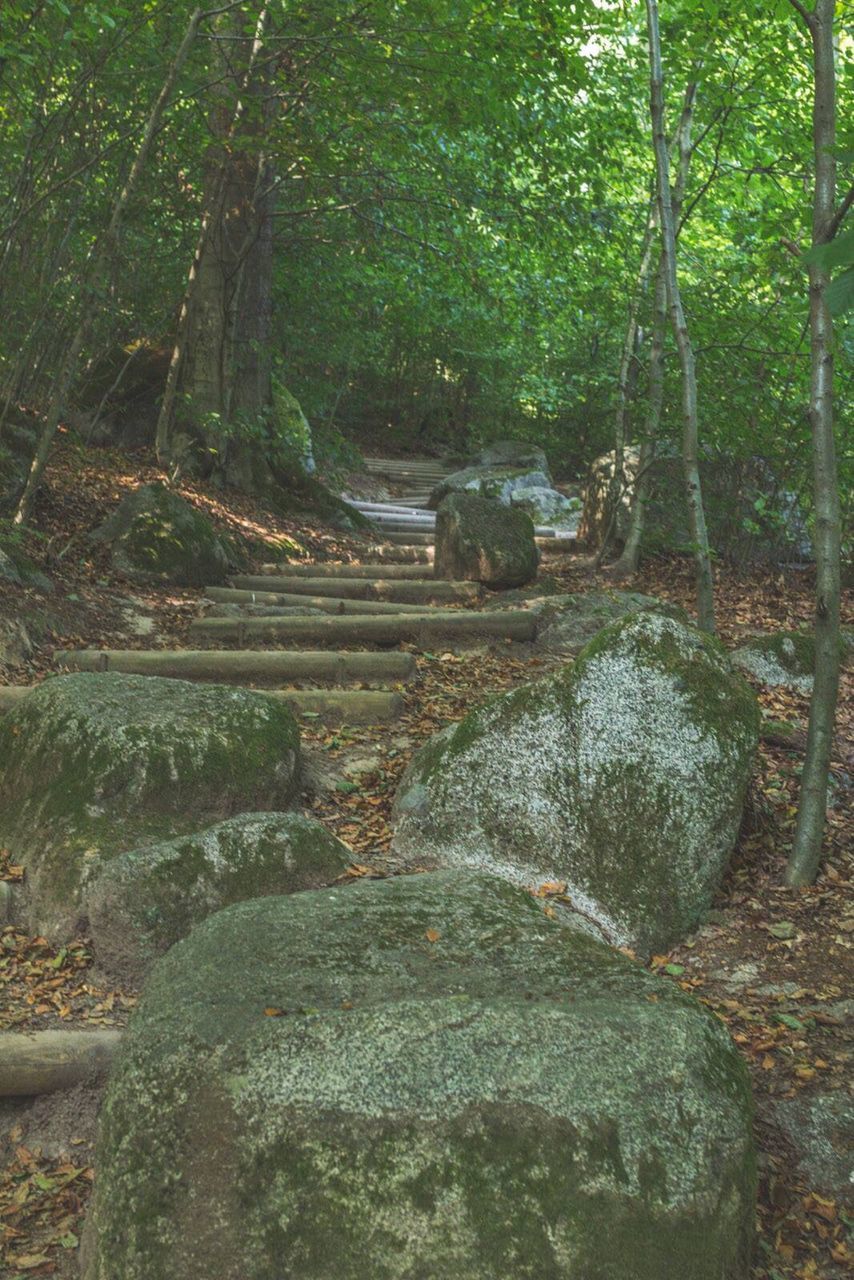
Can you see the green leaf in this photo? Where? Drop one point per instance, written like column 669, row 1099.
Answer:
column 347, row 787
column 782, row 929
column 839, row 294
column 790, row 1021
column 674, row 969
column 839, row 252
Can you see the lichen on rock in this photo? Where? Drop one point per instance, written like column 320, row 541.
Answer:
column 623, row 775
column 418, row 1077
column 784, row 658
column 92, row 765
column 145, row 900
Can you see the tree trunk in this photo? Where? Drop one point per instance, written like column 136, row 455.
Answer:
column 627, row 564
column 690, row 433
column 617, row 487
column 812, row 812
column 220, row 374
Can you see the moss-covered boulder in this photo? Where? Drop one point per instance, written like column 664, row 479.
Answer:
column 94, row 765
column 480, row 541
column 497, row 483
column 548, row 507
column 568, row 622
column 16, row 455
column 784, row 658
column 622, row 776
column 156, row 536
column 147, row 899
column 512, row 453
column 416, row 1079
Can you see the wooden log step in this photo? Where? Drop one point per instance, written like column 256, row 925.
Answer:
column 246, row 667
column 559, row 545
column 35, row 1062
column 414, row 572
column 429, row 591
column 331, row 706
column 374, row 554
column 416, row 627
column 328, row 604
column 409, row 539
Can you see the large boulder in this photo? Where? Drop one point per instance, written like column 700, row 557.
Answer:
column 568, row 622
column 497, row 483
column 622, row 776
column 420, row 1077
column 548, row 507
column 147, row 899
column 94, row 765
column 748, row 518
column 512, row 453
column 156, row 536
column 480, row 541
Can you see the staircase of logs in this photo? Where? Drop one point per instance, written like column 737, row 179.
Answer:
column 341, row 663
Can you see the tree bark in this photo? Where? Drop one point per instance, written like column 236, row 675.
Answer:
column 690, row 431
column 89, row 299
column 627, row 564
column 220, row 373
column 812, row 811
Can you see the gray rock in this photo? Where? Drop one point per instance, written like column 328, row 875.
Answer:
column 9, row 570
column 512, row 453
column 821, row 1129
column 94, row 765
column 569, row 622
column 497, row 483
column 147, row 899
column 622, row 775
column 785, row 658
column 480, row 541
column 155, row 536
column 454, row 1086
column 15, row 643
column 548, row 507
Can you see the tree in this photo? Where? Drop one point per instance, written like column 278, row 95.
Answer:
column 690, row 443
column 812, row 810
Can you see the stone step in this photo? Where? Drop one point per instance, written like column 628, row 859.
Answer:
column 425, row 592
column 247, row 667
column 420, row 629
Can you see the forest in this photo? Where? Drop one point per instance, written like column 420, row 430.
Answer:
column 426, row 634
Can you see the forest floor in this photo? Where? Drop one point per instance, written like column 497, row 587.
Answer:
column 775, row 964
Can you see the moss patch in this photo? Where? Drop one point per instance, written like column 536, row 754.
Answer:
column 93, row 765
column 156, row 536
column 509, row 1099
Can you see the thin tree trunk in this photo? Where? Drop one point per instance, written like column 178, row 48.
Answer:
column 89, row 294
column 617, row 485
column 690, row 433
column 627, row 564
column 812, row 812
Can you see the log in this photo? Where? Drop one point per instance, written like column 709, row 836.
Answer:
column 327, row 603
column 344, row 706
column 428, row 591
column 375, row 553
column 508, row 623
column 409, row 539
column 43, row 1061
column 558, row 545
column 407, row 572
column 247, row 667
